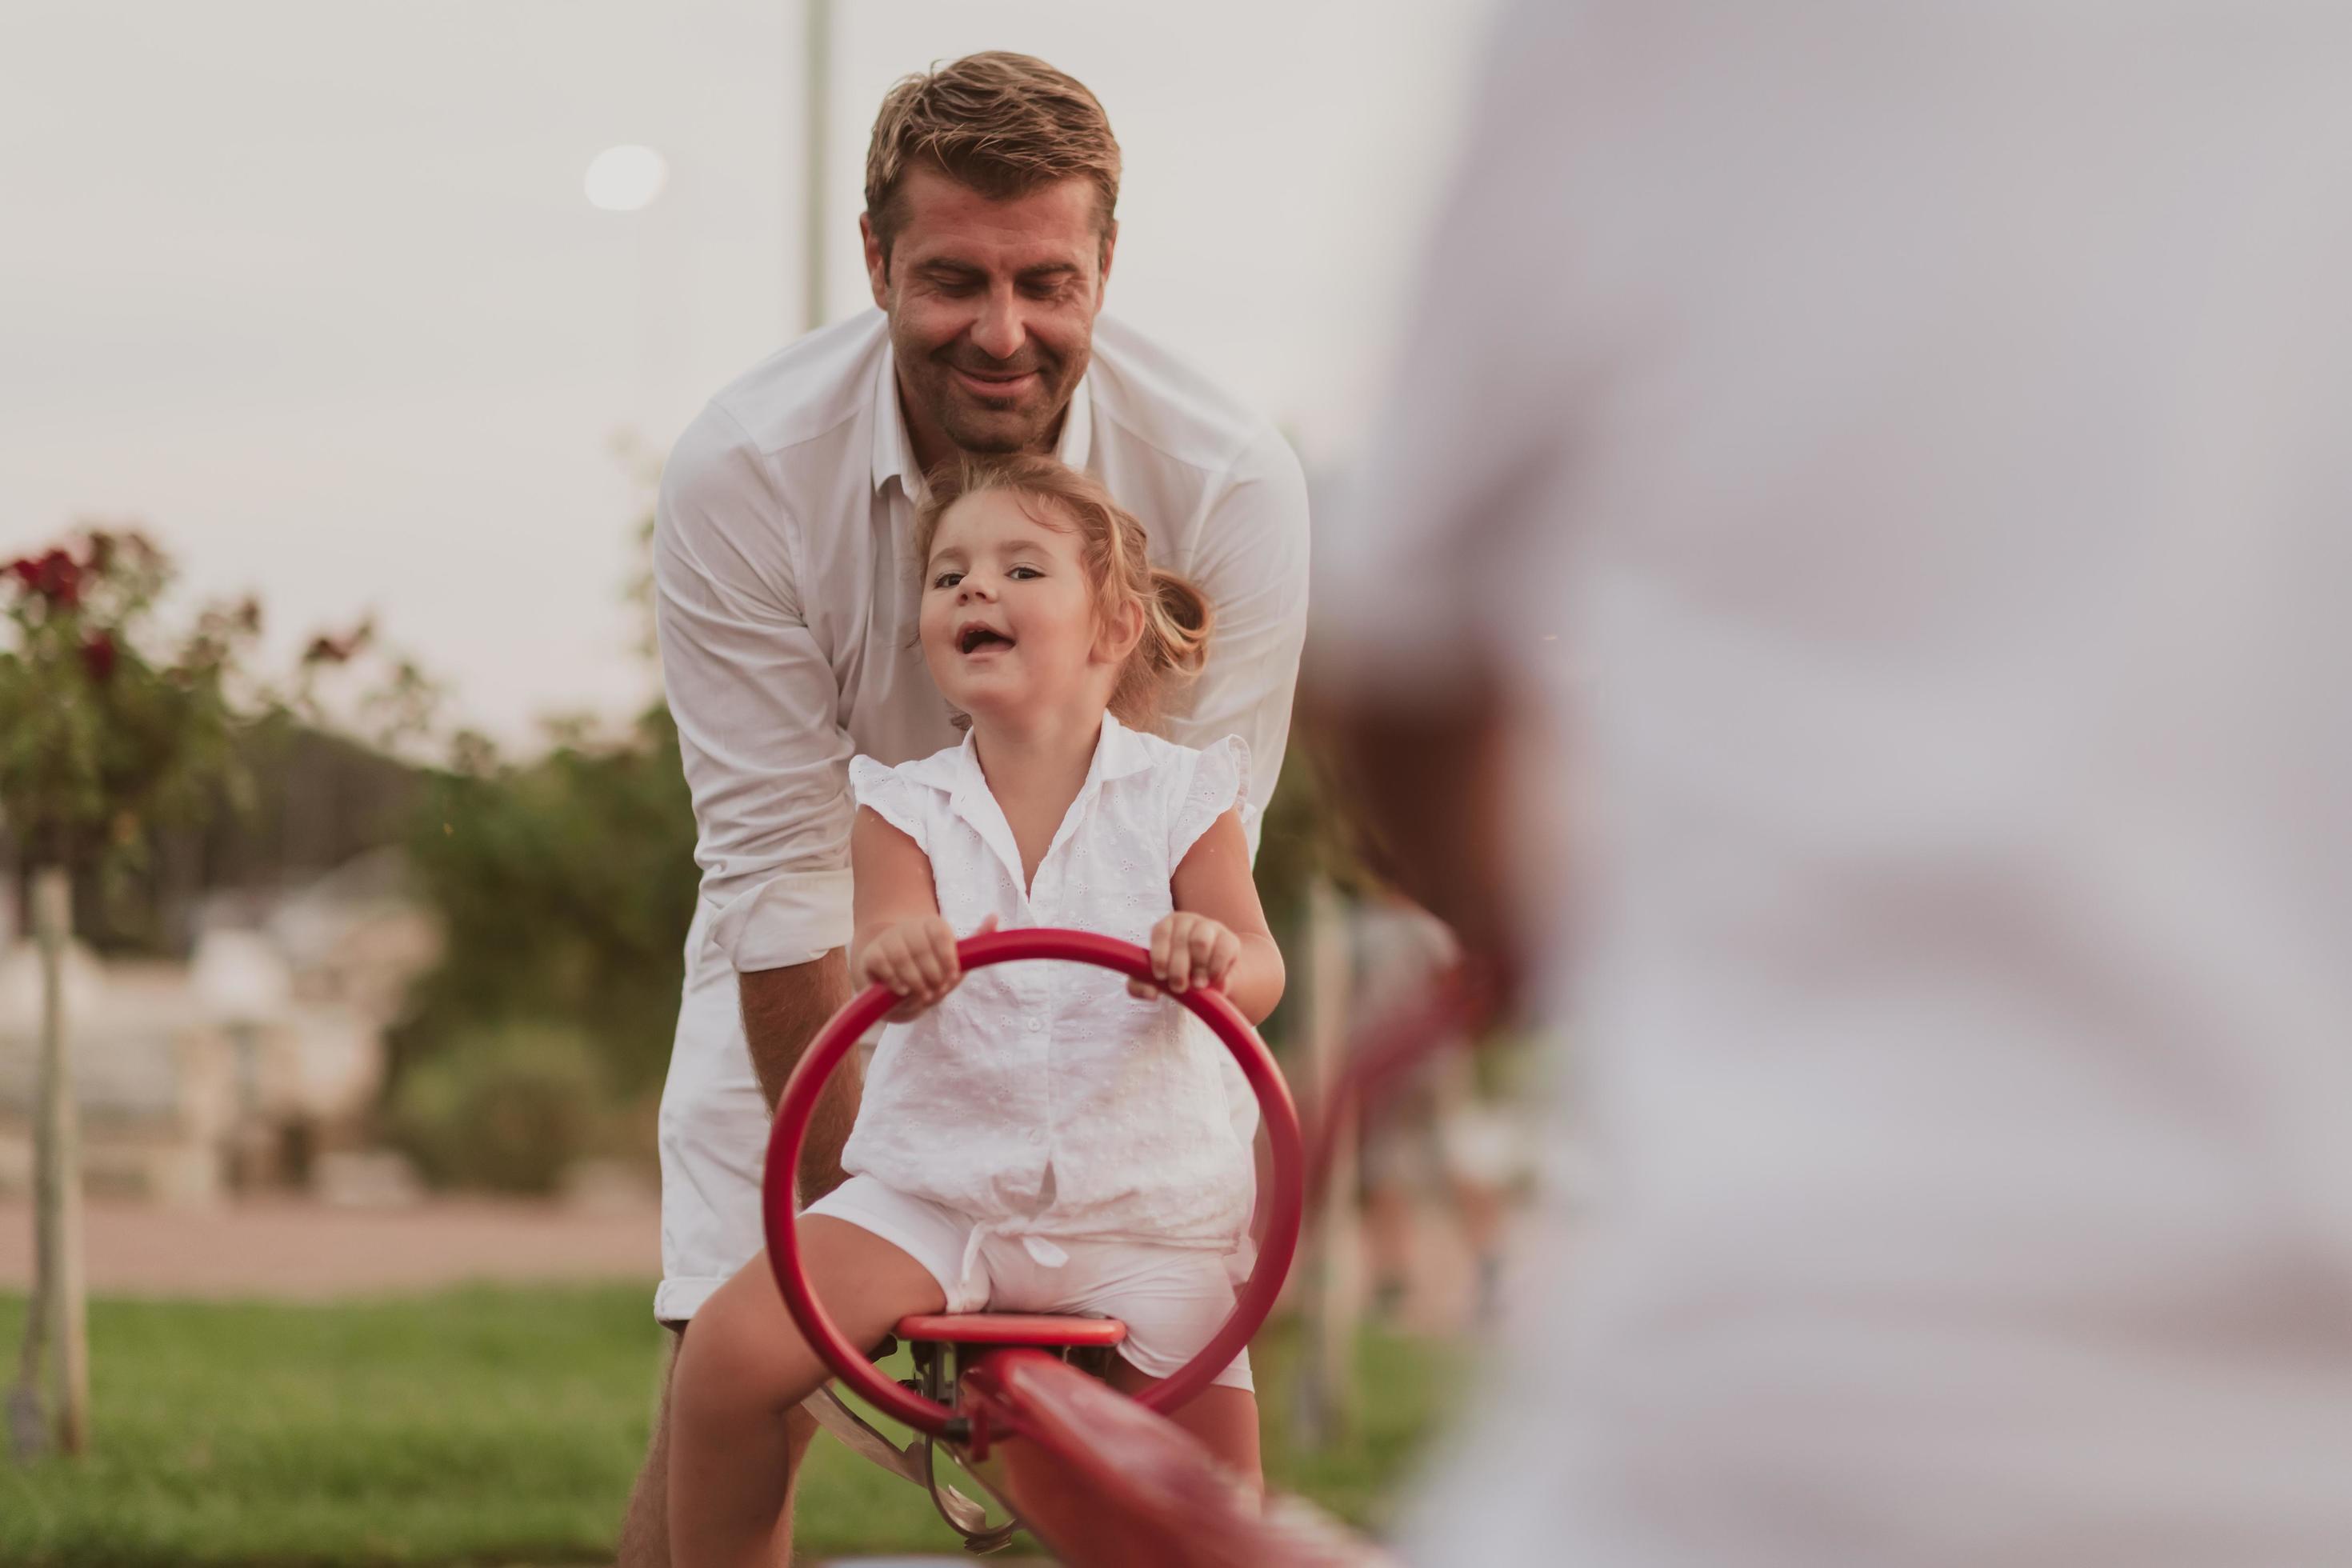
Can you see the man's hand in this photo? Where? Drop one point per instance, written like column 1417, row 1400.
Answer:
column 915, row 959
column 1188, row 949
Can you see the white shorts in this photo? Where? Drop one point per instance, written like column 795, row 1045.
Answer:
column 1171, row 1299
column 713, row 1140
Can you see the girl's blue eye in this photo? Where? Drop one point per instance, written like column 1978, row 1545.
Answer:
column 1020, row 572
column 947, row 579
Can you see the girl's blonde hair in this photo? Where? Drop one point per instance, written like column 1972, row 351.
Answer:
column 1177, row 618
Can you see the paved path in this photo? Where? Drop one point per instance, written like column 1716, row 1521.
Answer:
column 300, row 1250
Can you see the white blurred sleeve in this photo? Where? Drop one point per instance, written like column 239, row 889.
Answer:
column 756, row 704
column 1423, row 569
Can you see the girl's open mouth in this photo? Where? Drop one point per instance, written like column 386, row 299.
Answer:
column 975, row 638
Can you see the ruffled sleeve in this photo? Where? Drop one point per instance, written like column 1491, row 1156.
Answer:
column 893, row 798
column 1218, row 782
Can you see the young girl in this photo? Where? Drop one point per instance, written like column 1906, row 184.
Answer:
column 1039, row 1137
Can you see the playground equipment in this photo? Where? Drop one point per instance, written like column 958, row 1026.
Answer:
column 1018, row 1399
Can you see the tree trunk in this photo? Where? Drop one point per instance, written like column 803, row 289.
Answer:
column 1325, row 1389
column 56, row 1329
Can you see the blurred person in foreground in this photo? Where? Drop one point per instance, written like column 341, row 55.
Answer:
column 1903, row 455
column 786, row 593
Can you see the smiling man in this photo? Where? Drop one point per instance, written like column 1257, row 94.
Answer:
column 787, row 592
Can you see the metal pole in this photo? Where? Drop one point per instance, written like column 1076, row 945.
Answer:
column 816, row 92
column 1325, row 1393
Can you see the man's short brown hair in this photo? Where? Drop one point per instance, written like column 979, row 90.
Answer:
column 1002, row 123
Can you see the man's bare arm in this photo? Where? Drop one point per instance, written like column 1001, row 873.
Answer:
column 782, row 1010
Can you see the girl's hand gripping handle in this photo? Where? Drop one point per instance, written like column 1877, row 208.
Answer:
column 915, row 959
column 1188, row 949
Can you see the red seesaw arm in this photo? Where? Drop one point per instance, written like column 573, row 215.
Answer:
column 1284, row 1204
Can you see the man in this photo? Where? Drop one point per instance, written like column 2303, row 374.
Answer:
column 786, row 594
column 1903, row 450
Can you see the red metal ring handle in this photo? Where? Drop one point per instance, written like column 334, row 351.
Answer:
column 1285, row 1204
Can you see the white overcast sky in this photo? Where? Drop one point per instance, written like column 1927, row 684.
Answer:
column 310, row 287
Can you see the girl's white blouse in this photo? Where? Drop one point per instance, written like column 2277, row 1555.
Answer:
column 1041, row 1097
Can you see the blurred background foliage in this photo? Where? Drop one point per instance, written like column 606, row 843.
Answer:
column 564, row 886
column 509, row 1108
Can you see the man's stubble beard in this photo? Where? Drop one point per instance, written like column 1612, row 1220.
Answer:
column 994, row 438
column 986, row 432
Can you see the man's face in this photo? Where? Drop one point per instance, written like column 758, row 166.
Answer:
column 992, row 307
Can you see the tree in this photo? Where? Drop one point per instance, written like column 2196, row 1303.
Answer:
column 564, row 886
column 98, row 738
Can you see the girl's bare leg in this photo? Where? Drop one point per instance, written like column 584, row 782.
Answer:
column 1223, row 1420
column 745, row 1366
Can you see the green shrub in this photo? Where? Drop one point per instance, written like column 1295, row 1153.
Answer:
column 508, row 1108
column 564, row 887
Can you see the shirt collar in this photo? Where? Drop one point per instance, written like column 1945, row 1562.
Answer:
column 1118, row 753
column 894, row 448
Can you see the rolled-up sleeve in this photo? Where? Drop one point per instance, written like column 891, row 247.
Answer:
column 1251, row 562
column 756, row 703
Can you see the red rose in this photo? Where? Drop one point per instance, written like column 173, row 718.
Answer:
column 98, row 657
column 58, row 580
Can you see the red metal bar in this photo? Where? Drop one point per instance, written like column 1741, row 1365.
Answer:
column 1105, row 1485
column 1284, row 1204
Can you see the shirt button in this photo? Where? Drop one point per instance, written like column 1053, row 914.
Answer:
column 1034, row 1025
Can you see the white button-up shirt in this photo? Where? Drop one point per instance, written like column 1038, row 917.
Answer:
column 786, row 596
column 1042, row 1098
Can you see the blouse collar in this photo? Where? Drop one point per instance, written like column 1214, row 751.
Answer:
column 1120, row 752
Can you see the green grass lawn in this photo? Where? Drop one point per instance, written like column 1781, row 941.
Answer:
column 478, row 1426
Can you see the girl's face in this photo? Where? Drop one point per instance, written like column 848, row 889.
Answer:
column 1008, row 622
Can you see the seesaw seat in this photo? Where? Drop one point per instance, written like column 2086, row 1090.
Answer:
column 1011, row 1328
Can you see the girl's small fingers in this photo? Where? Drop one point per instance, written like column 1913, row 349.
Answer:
column 912, row 981
column 1180, row 964
column 1142, row 990
column 1224, row 957
column 1159, row 944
